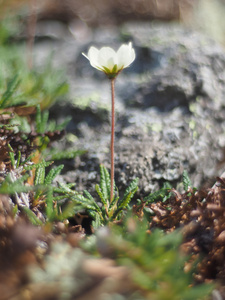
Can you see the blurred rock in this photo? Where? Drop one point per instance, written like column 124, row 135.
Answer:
column 169, row 108
column 101, row 12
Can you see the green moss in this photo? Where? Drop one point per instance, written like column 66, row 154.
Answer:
column 92, row 101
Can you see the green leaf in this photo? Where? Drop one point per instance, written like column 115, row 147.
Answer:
column 79, row 199
column 88, row 195
column 66, row 189
column 87, row 204
column 18, row 159
column 39, row 175
column 12, row 85
column 68, row 211
column 41, row 120
column 49, row 205
column 32, row 217
column 107, row 71
column 114, row 70
column 92, row 200
column 114, row 201
column 97, row 221
column 45, row 115
column 129, row 193
column 11, row 156
column 10, row 187
column 105, row 183
column 52, row 174
column 162, row 194
column 186, row 181
column 62, row 125
column 66, row 154
column 43, row 163
column 101, row 196
column 38, row 119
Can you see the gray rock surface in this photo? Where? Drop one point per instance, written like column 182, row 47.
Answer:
column 170, row 107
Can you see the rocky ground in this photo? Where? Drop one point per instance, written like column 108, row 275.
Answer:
column 169, row 104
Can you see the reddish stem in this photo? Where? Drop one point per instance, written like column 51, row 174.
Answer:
column 112, row 138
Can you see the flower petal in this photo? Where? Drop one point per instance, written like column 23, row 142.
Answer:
column 85, row 55
column 125, row 55
column 107, row 57
column 93, row 54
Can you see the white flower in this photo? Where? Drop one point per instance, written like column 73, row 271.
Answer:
column 109, row 61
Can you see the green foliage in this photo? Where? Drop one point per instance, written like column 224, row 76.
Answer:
column 10, row 187
column 43, row 125
column 103, row 189
column 20, row 124
column 31, row 216
column 15, row 181
column 46, row 192
column 162, row 194
column 112, row 211
column 11, row 156
column 186, row 181
column 155, row 263
column 11, row 87
column 44, row 86
column 52, row 174
column 43, row 190
column 41, row 120
column 18, row 84
column 106, row 211
column 9, row 27
column 57, row 206
column 54, row 154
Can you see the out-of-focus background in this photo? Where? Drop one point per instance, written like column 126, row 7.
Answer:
column 175, row 68
column 206, row 15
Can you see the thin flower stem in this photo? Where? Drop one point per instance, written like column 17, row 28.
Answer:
column 112, row 138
